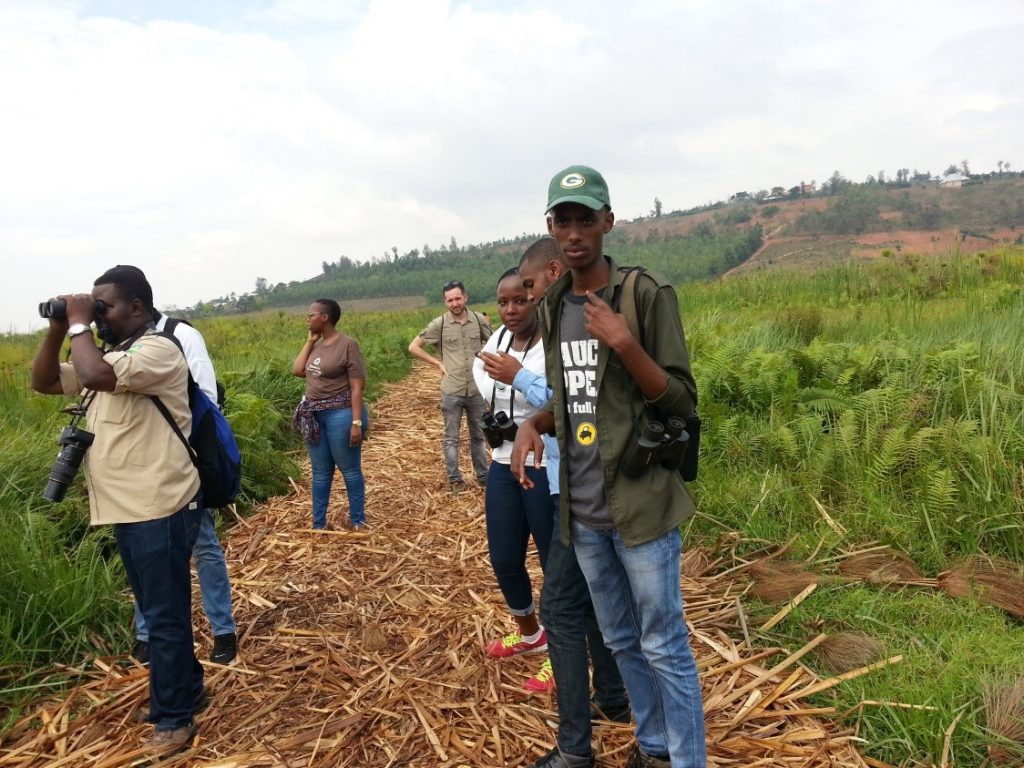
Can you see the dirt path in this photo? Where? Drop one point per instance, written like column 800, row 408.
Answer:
column 765, row 242
column 366, row 649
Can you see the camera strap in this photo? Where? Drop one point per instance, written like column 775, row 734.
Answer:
column 494, row 389
column 79, row 409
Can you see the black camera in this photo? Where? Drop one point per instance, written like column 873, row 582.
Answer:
column 673, row 443
column 58, row 309
column 73, row 443
column 498, row 427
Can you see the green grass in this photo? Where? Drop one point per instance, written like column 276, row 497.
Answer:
column 891, row 393
column 950, row 648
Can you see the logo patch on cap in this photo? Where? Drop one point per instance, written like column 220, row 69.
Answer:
column 572, row 181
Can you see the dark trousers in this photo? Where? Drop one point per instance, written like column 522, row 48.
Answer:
column 156, row 556
column 568, row 616
column 514, row 514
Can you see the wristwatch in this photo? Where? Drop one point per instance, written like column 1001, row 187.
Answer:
column 78, row 328
column 357, row 423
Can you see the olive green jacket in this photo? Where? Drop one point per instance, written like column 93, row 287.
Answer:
column 646, row 507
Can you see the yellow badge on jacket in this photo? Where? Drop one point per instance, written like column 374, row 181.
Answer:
column 586, row 434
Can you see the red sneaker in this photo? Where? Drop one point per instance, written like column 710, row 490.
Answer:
column 543, row 681
column 513, row 645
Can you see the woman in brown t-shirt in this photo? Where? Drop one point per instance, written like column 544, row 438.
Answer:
column 335, row 375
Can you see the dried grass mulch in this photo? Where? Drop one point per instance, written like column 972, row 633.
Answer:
column 366, row 649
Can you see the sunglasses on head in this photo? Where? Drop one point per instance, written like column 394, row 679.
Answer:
column 453, row 284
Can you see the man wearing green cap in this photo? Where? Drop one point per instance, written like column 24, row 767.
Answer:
column 625, row 530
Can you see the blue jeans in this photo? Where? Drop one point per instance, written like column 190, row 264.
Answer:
column 639, row 606
column 156, row 555
column 513, row 514
column 452, row 408
column 214, row 585
column 333, row 450
column 568, row 615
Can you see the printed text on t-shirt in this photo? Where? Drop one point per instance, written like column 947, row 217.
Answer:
column 579, row 363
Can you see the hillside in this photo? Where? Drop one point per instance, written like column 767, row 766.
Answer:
column 862, row 221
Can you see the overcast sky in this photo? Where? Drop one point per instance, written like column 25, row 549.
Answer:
column 212, row 142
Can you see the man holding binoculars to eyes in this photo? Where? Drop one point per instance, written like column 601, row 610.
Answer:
column 139, row 476
column 622, row 515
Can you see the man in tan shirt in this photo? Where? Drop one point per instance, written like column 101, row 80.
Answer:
column 139, row 476
column 458, row 335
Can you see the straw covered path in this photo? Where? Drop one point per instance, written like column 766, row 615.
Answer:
column 366, row 649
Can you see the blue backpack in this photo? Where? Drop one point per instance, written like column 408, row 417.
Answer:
column 211, row 446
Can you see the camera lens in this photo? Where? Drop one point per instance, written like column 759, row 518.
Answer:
column 73, row 443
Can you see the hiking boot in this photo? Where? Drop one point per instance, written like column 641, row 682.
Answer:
column 543, row 681
column 140, row 651
column 620, row 714
column 361, row 527
column 225, row 648
column 513, row 645
column 170, row 742
column 140, row 714
column 457, row 486
column 556, row 758
column 638, row 759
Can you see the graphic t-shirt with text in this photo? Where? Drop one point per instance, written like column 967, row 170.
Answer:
column 587, row 501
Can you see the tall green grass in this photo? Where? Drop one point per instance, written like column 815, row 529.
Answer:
column 891, row 394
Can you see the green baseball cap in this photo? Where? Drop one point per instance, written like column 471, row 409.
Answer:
column 578, row 184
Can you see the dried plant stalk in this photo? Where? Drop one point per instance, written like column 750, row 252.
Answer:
column 993, row 581
column 1004, row 717
column 848, row 650
column 884, row 567
column 778, row 582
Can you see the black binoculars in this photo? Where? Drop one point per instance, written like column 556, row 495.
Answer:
column 673, row 443
column 58, row 309
column 498, row 427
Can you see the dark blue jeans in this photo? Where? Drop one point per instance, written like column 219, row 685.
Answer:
column 568, row 615
column 513, row 514
column 156, row 556
column 214, row 584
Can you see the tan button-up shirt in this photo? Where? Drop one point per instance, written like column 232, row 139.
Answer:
column 137, row 469
column 458, row 343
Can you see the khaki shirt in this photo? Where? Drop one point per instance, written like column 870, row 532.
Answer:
column 458, row 349
column 137, row 469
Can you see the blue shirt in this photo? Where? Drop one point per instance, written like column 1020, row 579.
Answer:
column 535, row 389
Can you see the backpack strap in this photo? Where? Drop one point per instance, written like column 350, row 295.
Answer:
column 627, row 301
column 163, row 408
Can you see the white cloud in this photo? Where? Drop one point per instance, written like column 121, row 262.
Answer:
column 260, row 140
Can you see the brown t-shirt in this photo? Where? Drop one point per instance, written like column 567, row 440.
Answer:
column 331, row 367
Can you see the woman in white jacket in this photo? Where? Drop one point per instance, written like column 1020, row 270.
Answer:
column 513, row 513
